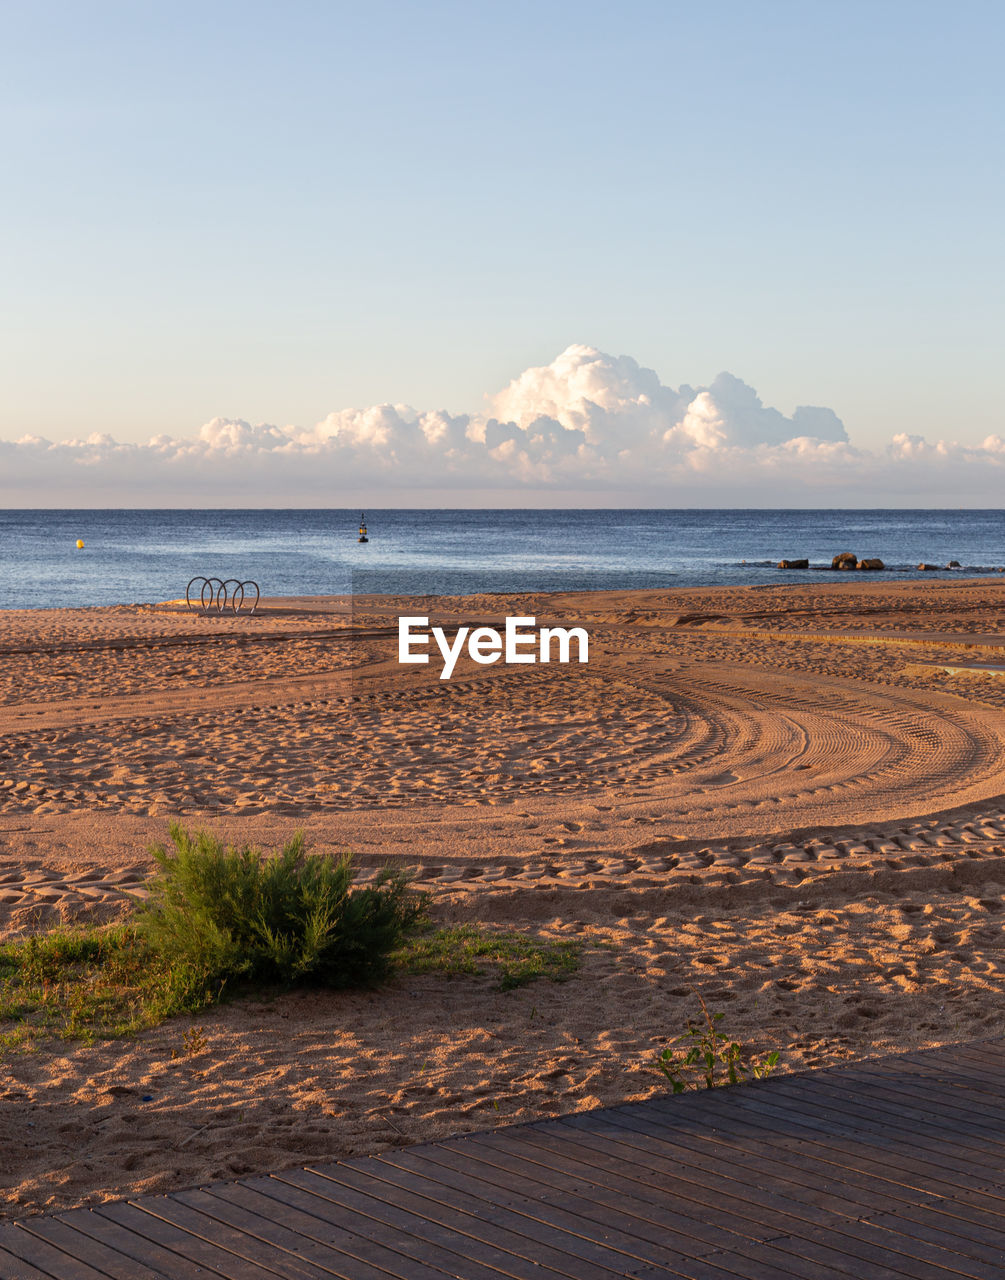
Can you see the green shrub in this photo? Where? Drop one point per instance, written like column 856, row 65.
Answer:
column 221, row 915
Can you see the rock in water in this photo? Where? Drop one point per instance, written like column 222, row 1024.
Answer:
column 846, row 560
column 927, row 567
column 874, row 563
column 793, row 564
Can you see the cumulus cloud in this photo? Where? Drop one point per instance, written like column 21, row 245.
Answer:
column 910, row 448
column 584, row 390
column 588, row 425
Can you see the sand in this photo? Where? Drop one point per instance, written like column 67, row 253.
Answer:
column 791, row 800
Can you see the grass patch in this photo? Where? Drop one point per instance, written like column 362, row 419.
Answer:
column 81, row 982
column 219, row 920
column 223, row 921
column 517, row 957
column 85, row 984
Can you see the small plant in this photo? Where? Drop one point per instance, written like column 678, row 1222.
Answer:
column 706, row 1051
column 193, row 1042
column 222, row 916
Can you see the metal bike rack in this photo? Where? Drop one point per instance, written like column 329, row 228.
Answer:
column 216, row 595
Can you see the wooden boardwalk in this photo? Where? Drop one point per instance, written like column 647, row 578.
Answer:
column 891, row 1168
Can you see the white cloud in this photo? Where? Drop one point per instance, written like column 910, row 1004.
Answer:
column 584, row 390
column 587, row 424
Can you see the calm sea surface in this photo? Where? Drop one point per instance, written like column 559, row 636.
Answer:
column 132, row 556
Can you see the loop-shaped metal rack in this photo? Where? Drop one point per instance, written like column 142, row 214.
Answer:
column 217, row 595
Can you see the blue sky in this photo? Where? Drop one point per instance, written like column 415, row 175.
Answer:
column 273, row 212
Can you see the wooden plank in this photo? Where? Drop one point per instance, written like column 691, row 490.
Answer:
column 949, row 1083
column 41, row 1256
column 311, row 1217
column 760, row 1135
column 419, row 1252
column 920, row 1246
column 712, row 1211
column 826, row 1162
column 414, row 1245
column 923, row 1253
column 846, row 1159
column 711, row 1165
column 709, row 1269
column 175, row 1213
column 734, row 1267
column 906, row 1101
column 569, row 1206
column 458, row 1199
column 679, row 1272
column 214, row 1256
column 950, row 1058
column 873, row 1111
column 983, row 1106
column 975, row 1212
column 734, row 1221
column 782, row 1115
column 642, row 1230
column 721, row 1108
column 977, row 1055
column 939, row 1055
column 900, row 1238
column 349, row 1188
column 902, row 1255
column 912, row 1160
column 673, row 1204
column 979, row 1105
column 83, row 1248
column 703, row 1269
column 777, row 1254
column 990, row 1205
column 524, row 1249
column 720, row 1211
column 987, row 1239
column 956, row 1062
column 14, row 1268
column 925, row 1135
column 564, row 1221
column 145, row 1252
column 340, row 1252
column 804, row 1180
column 763, row 1262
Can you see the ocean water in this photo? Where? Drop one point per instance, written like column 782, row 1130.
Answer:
column 144, row 556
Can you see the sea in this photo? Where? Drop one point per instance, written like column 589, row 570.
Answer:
column 131, row 557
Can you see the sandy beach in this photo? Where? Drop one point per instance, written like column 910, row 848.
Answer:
column 790, row 799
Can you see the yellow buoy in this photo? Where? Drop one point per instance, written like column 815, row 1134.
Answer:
column 80, row 544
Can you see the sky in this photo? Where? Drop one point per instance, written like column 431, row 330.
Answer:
column 239, row 230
